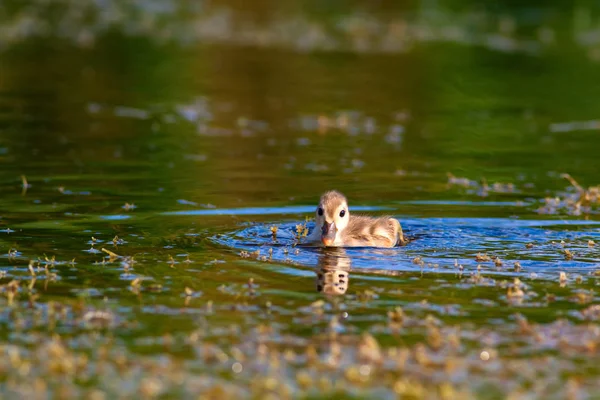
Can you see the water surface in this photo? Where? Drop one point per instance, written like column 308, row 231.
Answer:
column 142, row 167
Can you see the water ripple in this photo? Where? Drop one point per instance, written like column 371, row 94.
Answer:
column 444, row 245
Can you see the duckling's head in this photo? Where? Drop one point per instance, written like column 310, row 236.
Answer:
column 332, row 216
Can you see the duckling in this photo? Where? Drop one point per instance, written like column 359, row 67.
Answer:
column 335, row 227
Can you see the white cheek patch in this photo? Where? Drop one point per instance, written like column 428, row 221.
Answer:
column 339, row 210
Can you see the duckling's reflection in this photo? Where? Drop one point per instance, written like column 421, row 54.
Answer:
column 333, row 271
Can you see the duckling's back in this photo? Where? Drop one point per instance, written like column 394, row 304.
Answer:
column 373, row 232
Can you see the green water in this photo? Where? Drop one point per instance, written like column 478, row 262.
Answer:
column 157, row 140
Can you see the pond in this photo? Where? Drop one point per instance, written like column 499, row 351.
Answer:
column 158, row 161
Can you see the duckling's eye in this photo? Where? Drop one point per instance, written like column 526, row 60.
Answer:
column 342, row 213
column 320, row 211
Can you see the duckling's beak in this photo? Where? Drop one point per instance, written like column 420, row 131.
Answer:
column 328, row 232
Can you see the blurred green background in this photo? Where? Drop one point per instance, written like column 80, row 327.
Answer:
column 484, row 90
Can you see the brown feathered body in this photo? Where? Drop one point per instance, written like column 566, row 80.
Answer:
column 372, row 232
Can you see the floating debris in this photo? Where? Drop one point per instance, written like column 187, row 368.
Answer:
column 418, row 261
column 482, row 257
column 129, row 207
column 273, row 230
column 515, row 291
column 396, row 316
column 580, row 202
column 464, row 182
column 562, row 277
column 301, row 231
column 25, row 185
column 112, row 256
column 517, row 266
column 563, row 127
column 98, row 319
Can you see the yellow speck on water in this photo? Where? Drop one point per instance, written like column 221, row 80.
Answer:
column 515, row 291
column 482, row 257
column 517, row 266
column 409, row 389
column 237, row 367
column 270, row 383
column 396, row 316
column 418, row 261
column 129, row 207
column 369, row 350
column 365, row 370
column 30, row 267
column 25, row 185
column 434, row 337
column 150, row 387
column 301, row 231
column 50, row 261
column 447, row 392
column 304, row 380
column 112, row 256
column 352, row 374
column 562, row 277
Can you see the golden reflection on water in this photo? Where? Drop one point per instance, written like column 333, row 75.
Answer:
column 333, row 271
